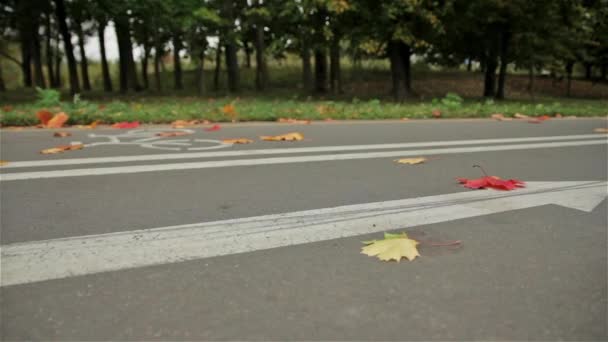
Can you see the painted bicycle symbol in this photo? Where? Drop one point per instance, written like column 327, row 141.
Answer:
column 148, row 138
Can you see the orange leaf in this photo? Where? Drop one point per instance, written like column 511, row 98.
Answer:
column 3, row 162
column 180, row 124
column 62, row 134
column 44, row 116
column 237, row 141
column 285, row 137
column 7, row 108
column 436, row 113
column 58, row 120
column 172, row 134
column 601, row 130
column 126, row 125
column 63, row 148
column 520, row 116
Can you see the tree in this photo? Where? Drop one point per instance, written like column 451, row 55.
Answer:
column 68, row 48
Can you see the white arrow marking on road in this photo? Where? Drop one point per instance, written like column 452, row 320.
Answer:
column 99, row 171
column 76, row 256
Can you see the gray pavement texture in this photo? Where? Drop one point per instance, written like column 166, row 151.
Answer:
column 532, row 274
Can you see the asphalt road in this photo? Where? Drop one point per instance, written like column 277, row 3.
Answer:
column 527, row 270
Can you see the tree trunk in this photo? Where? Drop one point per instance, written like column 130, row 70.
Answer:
column 569, row 68
column 530, row 86
column 604, row 71
column 491, row 63
column 406, row 56
column 26, row 58
column 320, row 70
column 105, row 70
column 306, row 68
column 335, row 71
column 232, row 64
column 247, row 54
column 398, row 73
column 2, row 85
column 128, row 73
column 84, row 64
column 49, row 52
column 201, row 73
column 588, row 71
column 469, row 64
column 261, row 71
column 177, row 64
column 37, row 57
column 144, row 65
column 218, row 66
column 58, row 79
column 68, row 48
column 158, row 51
column 504, row 61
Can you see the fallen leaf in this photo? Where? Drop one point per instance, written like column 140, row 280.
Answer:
column 500, row 117
column 58, row 120
column 184, row 123
column 492, row 182
column 405, row 119
column 230, row 111
column 63, row 148
column 601, row 130
column 520, row 116
column 543, row 117
column 436, row 113
column 237, row 141
column 294, row 121
column 3, row 162
column 172, row 134
column 44, row 116
column 14, row 128
column 393, row 247
column 62, row 134
column 411, row 161
column 535, row 121
column 92, row 125
column 558, row 115
column 206, row 122
column 285, row 137
column 126, row 125
column 213, row 128
column 7, row 108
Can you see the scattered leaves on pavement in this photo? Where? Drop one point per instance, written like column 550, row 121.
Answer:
column 57, row 120
column 126, row 125
column 295, row 136
column 601, row 130
column 393, row 247
column 213, row 128
column 172, row 134
column 411, row 161
column 63, row 148
column 237, row 141
column 62, row 134
column 44, row 116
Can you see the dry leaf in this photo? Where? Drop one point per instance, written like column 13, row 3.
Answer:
column 405, row 119
column 44, row 116
column 285, row 137
column 237, row 141
column 393, row 247
column 92, row 125
column 58, row 120
column 62, row 134
column 520, row 116
column 411, row 161
column 3, row 162
column 500, row 117
column 601, row 130
column 63, row 148
column 183, row 123
column 126, row 125
column 294, row 121
column 172, row 134
column 492, row 182
column 213, row 128
column 436, row 113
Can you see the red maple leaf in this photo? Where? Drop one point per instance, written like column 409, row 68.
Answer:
column 126, row 125
column 213, row 128
column 492, row 182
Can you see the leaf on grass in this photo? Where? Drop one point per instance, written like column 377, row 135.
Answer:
column 411, row 161
column 436, row 113
column 92, row 125
column 601, row 130
column 492, row 182
column 58, row 120
column 213, row 128
column 393, row 247
column 7, row 108
column 237, row 141
column 295, row 136
column 126, row 125
column 3, row 162
column 62, row 134
column 293, row 121
column 44, row 116
column 172, row 134
column 63, row 148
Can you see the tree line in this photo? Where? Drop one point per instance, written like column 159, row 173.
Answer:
column 535, row 36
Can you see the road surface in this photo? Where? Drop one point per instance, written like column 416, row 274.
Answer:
column 137, row 237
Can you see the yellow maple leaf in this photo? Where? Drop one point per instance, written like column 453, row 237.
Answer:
column 411, row 161
column 393, row 247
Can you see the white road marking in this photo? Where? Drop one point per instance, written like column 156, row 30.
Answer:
column 76, row 256
column 272, row 151
column 282, row 160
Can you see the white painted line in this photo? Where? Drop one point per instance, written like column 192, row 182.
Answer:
column 272, row 151
column 76, row 256
column 281, row 160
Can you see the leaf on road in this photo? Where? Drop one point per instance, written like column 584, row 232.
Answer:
column 491, row 182
column 62, row 134
column 293, row 121
column 601, row 130
column 393, row 247
column 57, row 120
column 172, row 134
column 126, row 125
column 63, row 148
column 500, row 117
column 184, row 123
column 411, row 161
column 44, row 116
column 3, row 162
column 213, row 128
column 92, row 125
column 237, row 141
column 405, row 119
column 520, row 116
column 295, row 136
